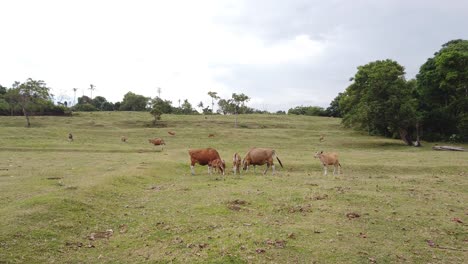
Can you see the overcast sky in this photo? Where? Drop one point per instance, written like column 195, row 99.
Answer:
column 280, row 53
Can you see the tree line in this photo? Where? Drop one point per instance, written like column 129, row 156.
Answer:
column 433, row 106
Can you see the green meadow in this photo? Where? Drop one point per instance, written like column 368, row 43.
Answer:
column 390, row 204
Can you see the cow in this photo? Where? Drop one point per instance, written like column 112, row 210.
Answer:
column 157, row 142
column 260, row 156
column 218, row 164
column 328, row 159
column 123, row 139
column 236, row 163
column 172, row 133
column 70, row 137
column 211, row 135
column 206, row 156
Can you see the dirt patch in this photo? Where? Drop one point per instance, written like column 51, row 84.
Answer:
column 101, row 234
column 237, row 205
column 352, row 215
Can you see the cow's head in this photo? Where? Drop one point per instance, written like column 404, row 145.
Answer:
column 244, row 164
column 318, row 154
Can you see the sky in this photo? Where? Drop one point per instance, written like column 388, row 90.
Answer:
column 281, row 54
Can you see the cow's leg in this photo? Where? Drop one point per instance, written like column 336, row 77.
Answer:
column 273, row 168
column 334, row 169
column 268, row 166
column 191, row 169
column 325, row 170
column 209, row 169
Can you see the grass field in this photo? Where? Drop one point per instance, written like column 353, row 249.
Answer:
column 54, row 194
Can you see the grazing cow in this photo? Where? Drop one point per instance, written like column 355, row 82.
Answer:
column 218, row 164
column 157, row 142
column 328, row 159
column 123, row 139
column 236, row 162
column 211, row 135
column 206, row 156
column 260, row 156
column 70, row 137
column 172, row 133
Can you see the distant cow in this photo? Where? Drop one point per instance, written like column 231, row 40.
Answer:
column 236, row 162
column 70, row 137
column 260, row 156
column 123, row 139
column 206, row 156
column 157, row 142
column 172, row 133
column 211, row 135
column 328, row 159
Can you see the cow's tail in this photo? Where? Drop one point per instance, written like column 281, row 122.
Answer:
column 279, row 160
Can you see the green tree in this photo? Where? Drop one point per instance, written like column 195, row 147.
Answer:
column 334, row 108
column 164, row 106
column 99, row 102
column 31, row 95
column 134, row 102
column 442, row 91
column 380, row 101
column 187, row 108
column 307, row 110
column 239, row 101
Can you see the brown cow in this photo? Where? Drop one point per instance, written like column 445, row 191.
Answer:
column 211, row 135
column 157, row 142
column 260, row 156
column 328, row 159
column 204, row 157
column 171, row 133
column 218, row 164
column 236, row 162
column 123, row 139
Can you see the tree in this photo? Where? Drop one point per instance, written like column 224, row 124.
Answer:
column 214, row 96
column 92, row 88
column 134, row 102
column 99, row 102
column 334, row 108
column 85, row 100
column 200, row 105
column 238, row 100
column 307, row 110
column 30, row 94
column 442, row 92
column 226, row 106
column 186, row 108
column 164, row 106
column 380, row 101
column 156, row 113
column 74, row 95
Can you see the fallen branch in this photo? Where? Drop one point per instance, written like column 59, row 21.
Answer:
column 451, row 148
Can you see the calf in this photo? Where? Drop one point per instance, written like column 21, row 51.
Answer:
column 328, row 159
column 218, row 164
column 206, row 156
column 260, row 156
column 236, row 163
column 157, row 142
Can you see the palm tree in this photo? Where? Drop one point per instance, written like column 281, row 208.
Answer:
column 74, row 98
column 92, row 88
column 214, row 96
